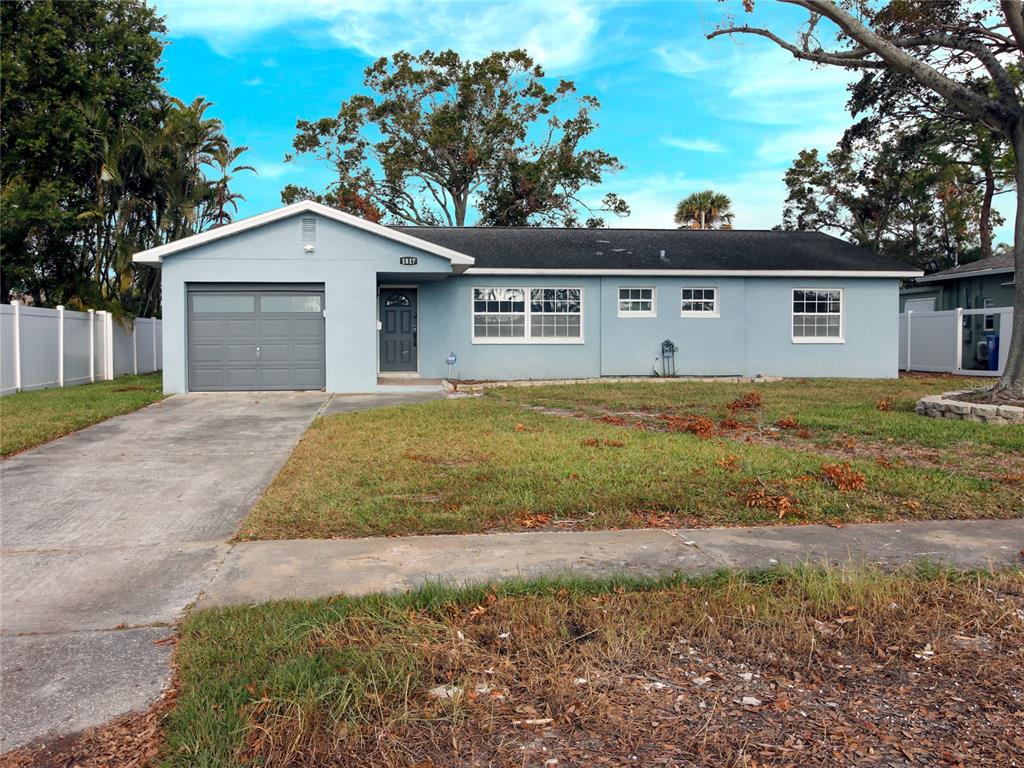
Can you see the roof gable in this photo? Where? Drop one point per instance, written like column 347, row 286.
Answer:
column 155, row 256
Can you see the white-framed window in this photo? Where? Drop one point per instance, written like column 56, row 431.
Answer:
column 698, row 302
column 989, row 321
column 637, row 302
column 527, row 315
column 817, row 315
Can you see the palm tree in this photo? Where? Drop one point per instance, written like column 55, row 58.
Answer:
column 222, row 194
column 705, row 210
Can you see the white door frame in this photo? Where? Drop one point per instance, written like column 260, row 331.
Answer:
column 399, row 374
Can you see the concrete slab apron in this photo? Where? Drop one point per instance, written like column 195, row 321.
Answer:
column 122, row 525
column 259, row 571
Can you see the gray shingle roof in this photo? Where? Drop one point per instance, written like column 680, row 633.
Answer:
column 997, row 262
column 641, row 249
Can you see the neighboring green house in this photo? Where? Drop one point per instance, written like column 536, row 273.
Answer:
column 980, row 284
column 977, row 285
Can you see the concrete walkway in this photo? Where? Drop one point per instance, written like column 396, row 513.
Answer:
column 110, row 533
column 269, row 570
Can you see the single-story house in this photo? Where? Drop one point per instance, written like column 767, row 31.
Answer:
column 983, row 284
column 976, row 285
column 308, row 297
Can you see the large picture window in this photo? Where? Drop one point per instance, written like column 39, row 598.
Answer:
column 699, row 302
column 818, row 315
column 636, row 302
column 527, row 315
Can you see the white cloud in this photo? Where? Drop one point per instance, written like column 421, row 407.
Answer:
column 558, row 35
column 692, row 145
column 682, row 62
column 253, row 81
column 274, row 170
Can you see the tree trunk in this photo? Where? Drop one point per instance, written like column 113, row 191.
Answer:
column 985, row 219
column 1011, row 383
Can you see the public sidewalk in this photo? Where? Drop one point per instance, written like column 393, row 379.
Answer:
column 271, row 570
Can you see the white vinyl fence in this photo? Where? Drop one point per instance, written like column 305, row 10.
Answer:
column 955, row 340
column 59, row 348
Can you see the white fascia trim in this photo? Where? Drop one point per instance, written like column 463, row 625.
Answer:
column 957, row 275
column 155, row 256
column 691, row 272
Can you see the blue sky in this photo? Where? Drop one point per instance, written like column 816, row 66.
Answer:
column 682, row 113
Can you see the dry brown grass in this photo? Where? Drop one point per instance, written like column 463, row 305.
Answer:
column 797, row 667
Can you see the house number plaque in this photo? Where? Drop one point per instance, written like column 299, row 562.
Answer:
column 408, row 261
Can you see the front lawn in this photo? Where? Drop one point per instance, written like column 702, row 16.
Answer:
column 31, row 418
column 636, row 455
column 789, row 667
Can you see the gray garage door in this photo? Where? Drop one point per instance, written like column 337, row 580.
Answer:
column 269, row 337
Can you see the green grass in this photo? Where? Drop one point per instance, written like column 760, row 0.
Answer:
column 344, row 681
column 832, row 407
column 32, row 418
column 480, row 464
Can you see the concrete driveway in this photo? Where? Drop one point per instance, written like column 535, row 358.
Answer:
column 109, row 534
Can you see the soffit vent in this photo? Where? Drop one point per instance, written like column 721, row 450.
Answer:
column 309, row 229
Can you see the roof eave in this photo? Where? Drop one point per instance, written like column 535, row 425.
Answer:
column 939, row 277
column 698, row 272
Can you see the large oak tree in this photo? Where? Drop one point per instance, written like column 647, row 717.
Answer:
column 963, row 53
column 436, row 134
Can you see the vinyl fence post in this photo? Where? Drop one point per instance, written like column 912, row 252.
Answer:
column 108, row 346
column 959, row 339
column 910, row 314
column 17, row 345
column 153, row 325
column 60, row 345
column 135, row 347
column 92, row 345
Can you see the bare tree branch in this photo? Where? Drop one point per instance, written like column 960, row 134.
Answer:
column 851, row 59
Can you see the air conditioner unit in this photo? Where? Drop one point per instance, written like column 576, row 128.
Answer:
column 981, row 352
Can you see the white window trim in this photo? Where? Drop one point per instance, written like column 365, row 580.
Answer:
column 528, row 339
column 627, row 314
column 988, row 322
column 705, row 315
column 840, row 339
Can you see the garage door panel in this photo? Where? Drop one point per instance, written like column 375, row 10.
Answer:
column 207, row 378
column 307, row 327
column 307, row 378
column 247, row 329
column 229, row 327
column 206, row 328
column 308, row 353
column 240, row 353
column 242, row 377
column 276, row 377
column 207, row 353
column 275, row 353
column 278, row 328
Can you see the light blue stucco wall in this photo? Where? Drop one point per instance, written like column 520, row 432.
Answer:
column 751, row 335
column 346, row 260
column 445, row 326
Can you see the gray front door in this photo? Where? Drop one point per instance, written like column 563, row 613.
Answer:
column 398, row 329
column 270, row 337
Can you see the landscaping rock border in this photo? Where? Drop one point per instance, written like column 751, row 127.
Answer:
column 480, row 386
column 947, row 406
